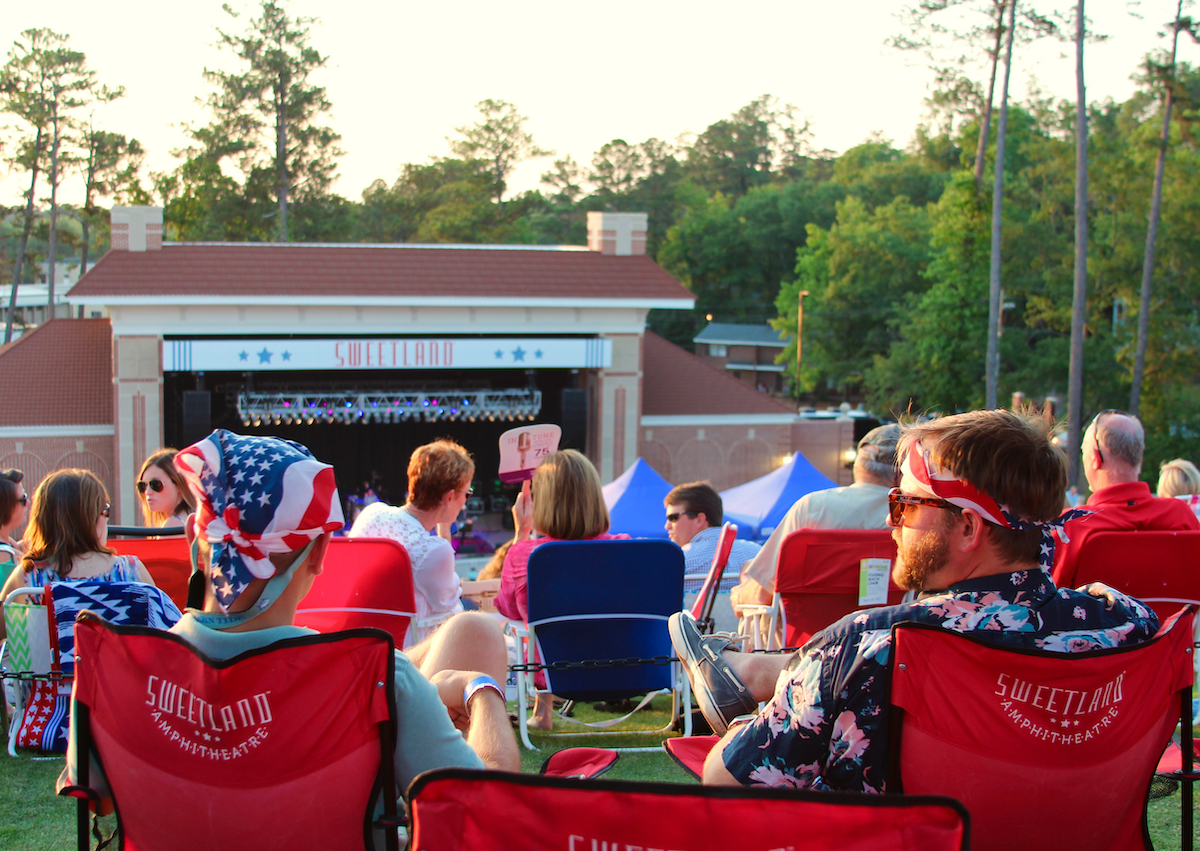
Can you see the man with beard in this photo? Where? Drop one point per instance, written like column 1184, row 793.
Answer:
column 978, row 499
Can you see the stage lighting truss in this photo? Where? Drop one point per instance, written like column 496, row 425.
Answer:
column 258, row 409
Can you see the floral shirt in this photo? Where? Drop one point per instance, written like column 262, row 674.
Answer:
column 825, row 726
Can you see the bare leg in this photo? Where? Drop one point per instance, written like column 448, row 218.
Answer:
column 469, row 641
column 759, row 671
column 543, row 712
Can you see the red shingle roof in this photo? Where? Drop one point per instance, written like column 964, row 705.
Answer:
column 60, row 373
column 395, row 271
column 675, row 382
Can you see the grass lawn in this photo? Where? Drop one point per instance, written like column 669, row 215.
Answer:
column 32, row 818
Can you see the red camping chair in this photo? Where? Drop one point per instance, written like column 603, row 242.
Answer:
column 690, row 752
column 366, row 582
column 285, row 747
column 167, row 560
column 702, row 608
column 818, row 576
column 483, row 810
column 1047, row 750
column 1158, row 568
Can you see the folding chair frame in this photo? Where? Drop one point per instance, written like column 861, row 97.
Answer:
column 681, row 695
column 384, row 785
column 24, row 679
column 703, row 607
column 660, row 611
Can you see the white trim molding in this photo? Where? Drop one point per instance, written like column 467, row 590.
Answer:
column 57, row 431
column 292, row 299
column 662, row 420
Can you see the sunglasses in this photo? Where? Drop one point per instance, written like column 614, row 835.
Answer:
column 104, row 511
column 155, row 485
column 898, row 502
column 674, row 518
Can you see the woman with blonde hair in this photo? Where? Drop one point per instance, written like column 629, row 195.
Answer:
column 164, row 496
column 568, row 506
column 1180, row 479
column 67, row 537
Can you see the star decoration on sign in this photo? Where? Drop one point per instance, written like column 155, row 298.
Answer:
column 499, row 354
column 538, row 354
column 243, row 355
column 287, row 355
column 518, row 354
column 264, row 356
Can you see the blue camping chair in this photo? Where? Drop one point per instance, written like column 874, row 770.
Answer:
column 605, row 603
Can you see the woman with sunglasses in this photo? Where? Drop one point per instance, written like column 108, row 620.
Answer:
column 569, row 507
column 67, row 537
column 13, row 502
column 165, row 498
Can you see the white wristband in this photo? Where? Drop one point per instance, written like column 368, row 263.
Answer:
column 475, row 685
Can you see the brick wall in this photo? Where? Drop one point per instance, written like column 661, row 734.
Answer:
column 37, row 457
column 730, row 455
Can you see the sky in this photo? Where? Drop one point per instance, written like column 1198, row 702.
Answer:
column 402, row 75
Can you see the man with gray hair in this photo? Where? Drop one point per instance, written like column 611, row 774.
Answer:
column 1112, row 461
column 862, row 505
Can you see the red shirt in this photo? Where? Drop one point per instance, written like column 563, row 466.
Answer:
column 1125, row 507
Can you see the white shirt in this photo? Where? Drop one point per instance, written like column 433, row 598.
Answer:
column 438, row 587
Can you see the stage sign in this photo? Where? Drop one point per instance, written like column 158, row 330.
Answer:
column 391, row 353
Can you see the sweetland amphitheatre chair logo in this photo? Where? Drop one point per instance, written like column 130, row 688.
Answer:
column 1060, row 715
column 211, row 731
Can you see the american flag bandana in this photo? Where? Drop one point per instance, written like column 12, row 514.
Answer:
column 256, row 496
column 943, row 484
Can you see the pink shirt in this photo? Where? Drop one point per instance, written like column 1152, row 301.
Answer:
column 512, row 601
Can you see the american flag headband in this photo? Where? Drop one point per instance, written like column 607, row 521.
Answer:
column 945, row 485
column 255, row 496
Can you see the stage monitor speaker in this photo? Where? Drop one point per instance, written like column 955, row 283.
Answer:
column 574, row 419
column 197, row 416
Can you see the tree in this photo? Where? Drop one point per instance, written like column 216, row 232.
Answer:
column 109, row 164
column 1079, row 296
column 500, row 138
column 564, row 179
column 734, row 155
column 44, row 82
column 265, row 118
column 25, row 86
column 616, row 167
column 924, row 31
column 1167, row 72
column 863, row 275
column 993, row 337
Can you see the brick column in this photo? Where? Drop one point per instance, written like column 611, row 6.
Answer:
column 138, row 417
column 619, row 402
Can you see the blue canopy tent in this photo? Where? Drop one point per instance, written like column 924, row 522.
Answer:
column 635, row 502
column 758, row 506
